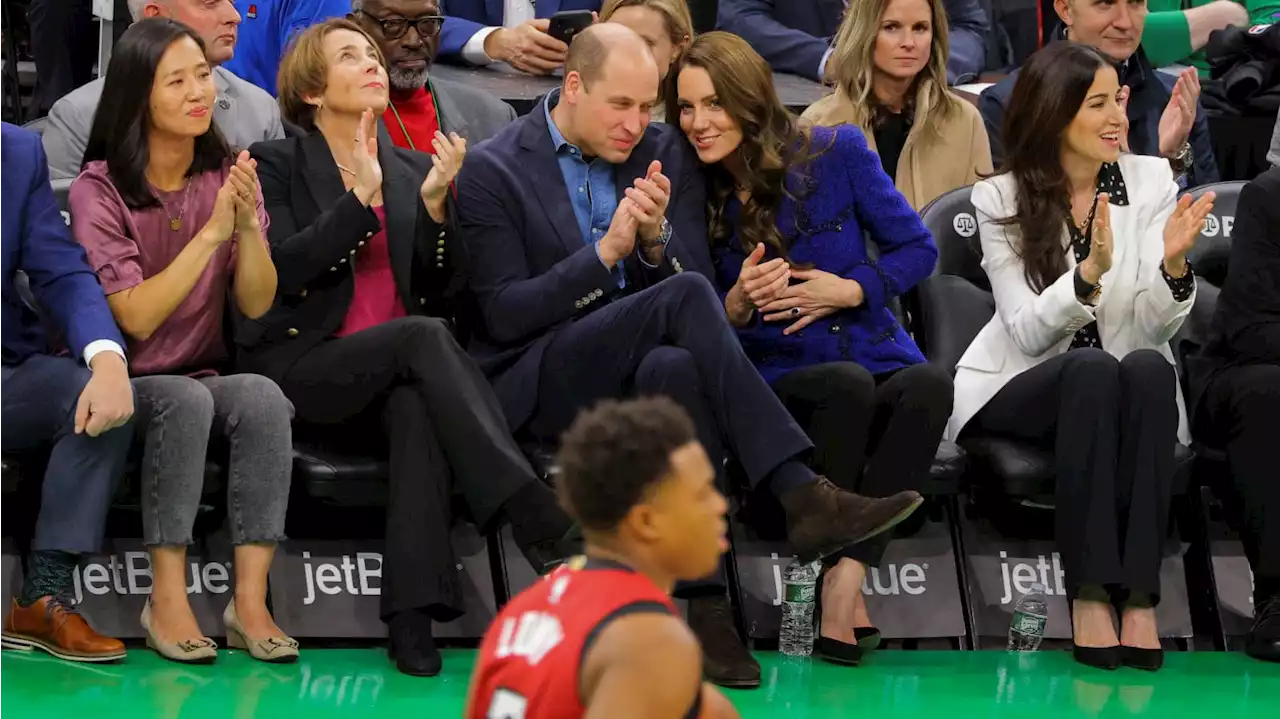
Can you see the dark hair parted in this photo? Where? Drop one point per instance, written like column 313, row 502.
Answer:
column 122, row 122
column 774, row 144
column 1046, row 98
column 614, row 453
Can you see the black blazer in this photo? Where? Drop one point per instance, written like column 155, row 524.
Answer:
column 316, row 228
column 529, row 267
column 1246, row 322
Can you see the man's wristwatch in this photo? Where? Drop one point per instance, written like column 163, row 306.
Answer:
column 664, row 236
column 1181, row 162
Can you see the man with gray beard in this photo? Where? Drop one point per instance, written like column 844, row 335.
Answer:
column 408, row 33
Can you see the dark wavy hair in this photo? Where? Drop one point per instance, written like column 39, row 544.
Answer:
column 122, row 122
column 775, row 146
column 1046, row 98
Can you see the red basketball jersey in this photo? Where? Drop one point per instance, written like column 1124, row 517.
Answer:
column 532, row 653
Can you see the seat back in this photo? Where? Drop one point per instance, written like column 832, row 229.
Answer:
column 703, row 13
column 953, row 223
column 1213, row 248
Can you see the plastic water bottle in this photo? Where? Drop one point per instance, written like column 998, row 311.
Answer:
column 1030, row 615
column 799, row 582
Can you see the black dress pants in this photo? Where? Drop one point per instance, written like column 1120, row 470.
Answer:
column 671, row 339
column 1240, row 411
column 1112, row 425
column 443, row 424
column 873, row 434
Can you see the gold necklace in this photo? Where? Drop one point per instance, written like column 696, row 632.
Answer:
column 175, row 223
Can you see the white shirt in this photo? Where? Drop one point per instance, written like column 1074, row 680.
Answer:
column 514, row 14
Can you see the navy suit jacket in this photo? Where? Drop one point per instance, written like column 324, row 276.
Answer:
column 531, row 271
column 464, row 18
column 793, row 35
column 37, row 241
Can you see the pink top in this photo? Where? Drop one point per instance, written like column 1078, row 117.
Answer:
column 376, row 299
column 128, row 246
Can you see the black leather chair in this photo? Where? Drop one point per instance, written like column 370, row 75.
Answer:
column 1212, row 251
column 953, row 306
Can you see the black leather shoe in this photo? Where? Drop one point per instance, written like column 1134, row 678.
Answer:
column 725, row 659
column 1098, row 657
column 822, row 519
column 1263, row 641
column 1149, row 660
column 412, row 647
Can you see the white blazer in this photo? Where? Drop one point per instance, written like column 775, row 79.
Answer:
column 1136, row 310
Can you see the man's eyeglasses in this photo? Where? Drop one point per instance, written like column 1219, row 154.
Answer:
column 394, row 28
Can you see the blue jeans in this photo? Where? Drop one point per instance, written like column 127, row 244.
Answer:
column 39, row 410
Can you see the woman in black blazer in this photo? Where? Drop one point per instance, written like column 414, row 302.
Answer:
column 363, row 236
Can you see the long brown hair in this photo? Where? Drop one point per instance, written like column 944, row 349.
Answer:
column 1046, row 98
column 773, row 144
column 852, row 64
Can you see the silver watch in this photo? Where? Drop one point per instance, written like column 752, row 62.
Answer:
column 664, row 236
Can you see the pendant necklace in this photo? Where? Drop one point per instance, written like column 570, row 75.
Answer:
column 175, row 223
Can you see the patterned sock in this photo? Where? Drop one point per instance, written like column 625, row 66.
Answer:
column 50, row 573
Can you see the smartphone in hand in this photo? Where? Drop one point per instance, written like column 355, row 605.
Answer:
column 568, row 23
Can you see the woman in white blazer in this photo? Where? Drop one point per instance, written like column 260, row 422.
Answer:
column 1086, row 249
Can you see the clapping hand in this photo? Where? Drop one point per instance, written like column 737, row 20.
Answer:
column 1182, row 229
column 819, row 294
column 445, row 163
column 367, row 170
column 1100, row 245
column 649, row 197
column 1180, row 114
column 758, row 284
column 1122, row 99
column 243, row 182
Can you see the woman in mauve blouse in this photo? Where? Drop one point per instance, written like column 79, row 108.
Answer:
column 173, row 224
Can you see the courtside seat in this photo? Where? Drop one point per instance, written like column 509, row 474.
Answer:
column 951, row 308
column 1212, row 250
column 340, row 478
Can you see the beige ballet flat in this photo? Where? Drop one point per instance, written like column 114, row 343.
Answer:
column 188, row 651
column 276, row 650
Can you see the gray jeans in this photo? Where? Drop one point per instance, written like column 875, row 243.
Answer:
column 176, row 416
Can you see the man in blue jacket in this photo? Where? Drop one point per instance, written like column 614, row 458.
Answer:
column 795, row 35
column 1159, row 122
column 267, row 27
column 79, row 406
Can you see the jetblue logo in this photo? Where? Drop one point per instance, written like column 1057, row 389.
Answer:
column 891, row 580
column 1019, row 577
column 964, row 224
column 346, row 576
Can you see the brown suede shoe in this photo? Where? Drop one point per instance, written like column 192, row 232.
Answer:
column 725, row 659
column 822, row 519
column 55, row 626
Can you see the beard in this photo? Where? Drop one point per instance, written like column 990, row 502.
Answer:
column 407, row 80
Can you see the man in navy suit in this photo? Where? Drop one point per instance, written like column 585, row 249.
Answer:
column 795, row 35
column 586, row 229
column 82, row 412
column 478, row 32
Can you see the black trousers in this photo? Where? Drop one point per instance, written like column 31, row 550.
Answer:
column 671, row 339
column 64, row 43
column 872, row 434
column 443, row 425
column 1240, row 410
column 1112, row 425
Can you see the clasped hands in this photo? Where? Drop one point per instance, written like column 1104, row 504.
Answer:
column 640, row 213
column 766, row 286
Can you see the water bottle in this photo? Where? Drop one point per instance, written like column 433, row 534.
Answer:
column 799, row 582
column 1030, row 615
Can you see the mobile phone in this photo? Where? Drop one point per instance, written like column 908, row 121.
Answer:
column 568, row 23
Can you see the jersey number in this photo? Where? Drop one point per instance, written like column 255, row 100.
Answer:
column 507, row 704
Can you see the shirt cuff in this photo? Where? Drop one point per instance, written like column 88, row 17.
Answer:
column 822, row 66
column 1181, row 287
column 473, row 52
column 95, row 347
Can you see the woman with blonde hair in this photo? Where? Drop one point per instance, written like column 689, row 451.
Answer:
column 889, row 65
column 666, row 26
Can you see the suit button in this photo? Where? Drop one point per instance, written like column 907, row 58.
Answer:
column 353, row 253
column 367, row 235
column 578, row 304
column 834, row 329
column 342, row 261
column 333, row 269
column 360, row 243
column 441, row 235
column 439, row 265
column 302, row 293
column 439, row 243
column 292, row 332
column 422, row 301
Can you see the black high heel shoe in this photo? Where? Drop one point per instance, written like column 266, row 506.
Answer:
column 1148, row 660
column 833, row 650
column 1108, row 658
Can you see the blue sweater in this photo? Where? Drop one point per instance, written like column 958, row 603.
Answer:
column 848, row 193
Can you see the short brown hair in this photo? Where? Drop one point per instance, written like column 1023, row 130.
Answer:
column 675, row 15
column 304, row 70
column 587, row 54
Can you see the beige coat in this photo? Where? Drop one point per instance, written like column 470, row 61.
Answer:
column 959, row 156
